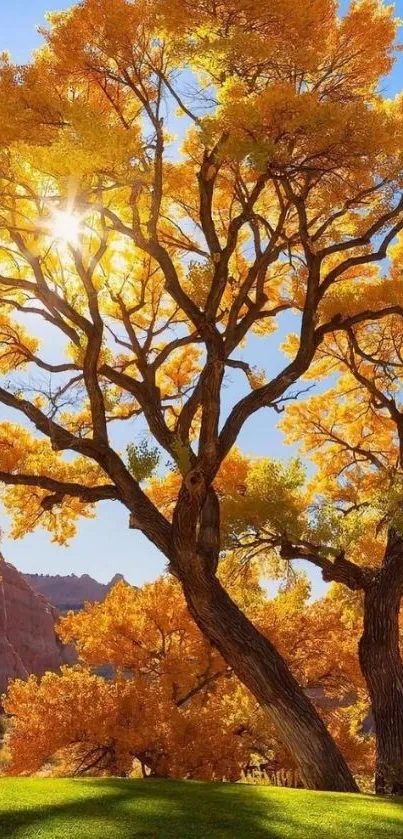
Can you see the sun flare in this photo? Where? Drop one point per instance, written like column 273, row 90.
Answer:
column 65, row 227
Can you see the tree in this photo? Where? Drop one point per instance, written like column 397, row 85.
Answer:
column 358, row 450
column 154, row 266
column 167, row 700
column 156, row 700
column 350, row 518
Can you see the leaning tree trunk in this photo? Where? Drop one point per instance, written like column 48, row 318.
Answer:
column 382, row 666
column 263, row 671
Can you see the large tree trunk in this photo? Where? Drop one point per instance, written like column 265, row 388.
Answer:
column 263, row 671
column 382, row 666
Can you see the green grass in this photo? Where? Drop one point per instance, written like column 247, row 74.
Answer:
column 115, row 809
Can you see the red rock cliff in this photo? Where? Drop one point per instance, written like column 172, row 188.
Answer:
column 28, row 642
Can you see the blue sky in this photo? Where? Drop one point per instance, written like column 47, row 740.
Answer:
column 105, row 545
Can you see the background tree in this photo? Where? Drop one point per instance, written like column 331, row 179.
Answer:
column 348, row 522
column 153, row 267
column 357, row 439
column 154, row 706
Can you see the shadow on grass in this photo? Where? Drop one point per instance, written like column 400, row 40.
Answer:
column 119, row 809
column 116, row 809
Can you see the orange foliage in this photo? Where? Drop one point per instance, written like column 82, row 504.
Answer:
column 169, row 701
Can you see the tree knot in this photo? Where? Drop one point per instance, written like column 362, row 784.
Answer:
column 195, row 483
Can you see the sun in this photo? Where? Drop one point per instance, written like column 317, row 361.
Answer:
column 65, row 227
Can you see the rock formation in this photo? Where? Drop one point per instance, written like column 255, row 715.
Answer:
column 28, row 642
column 70, row 592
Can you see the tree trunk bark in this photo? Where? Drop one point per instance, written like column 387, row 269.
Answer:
column 382, row 666
column 263, row 671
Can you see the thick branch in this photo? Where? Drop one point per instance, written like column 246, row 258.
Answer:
column 339, row 570
column 60, row 489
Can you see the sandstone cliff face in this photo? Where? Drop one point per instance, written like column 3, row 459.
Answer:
column 70, row 592
column 28, row 642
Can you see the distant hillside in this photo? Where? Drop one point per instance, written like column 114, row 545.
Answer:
column 70, row 592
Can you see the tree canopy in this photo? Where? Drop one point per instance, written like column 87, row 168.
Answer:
column 168, row 260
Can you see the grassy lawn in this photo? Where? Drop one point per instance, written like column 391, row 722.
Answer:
column 115, row 809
